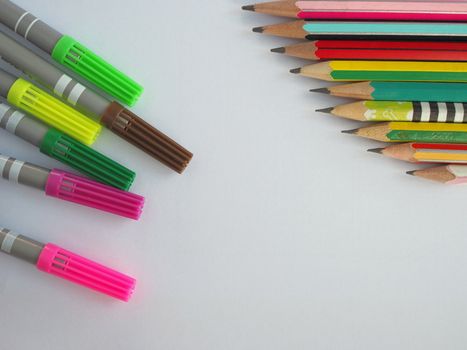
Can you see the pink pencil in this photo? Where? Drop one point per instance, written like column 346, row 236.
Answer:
column 383, row 16
column 450, row 7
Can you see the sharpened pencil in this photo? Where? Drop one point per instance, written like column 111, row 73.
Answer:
column 376, row 50
column 319, row 10
column 416, row 152
column 377, row 111
column 399, row 91
column 385, row 71
column 442, row 31
column 365, row 30
column 413, row 132
column 291, row 29
column 384, row 10
column 448, row 174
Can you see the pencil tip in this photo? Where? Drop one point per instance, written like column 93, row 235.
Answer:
column 248, row 7
column 296, row 70
column 321, row 90
column 278, row 50
column 353, row 131
column 258, row 29
column 325, row 110
column 411, row 172
column 376, row 150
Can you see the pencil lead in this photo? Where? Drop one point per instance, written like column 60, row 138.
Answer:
column 258, row 29
column 411, row 172
column 325, row 110
column 248, row 7
column 353, row 131
column 321, row 90
column 376, row 150
column 278, row 50
column 296, row 70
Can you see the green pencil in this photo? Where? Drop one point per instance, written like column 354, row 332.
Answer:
column 399, row 91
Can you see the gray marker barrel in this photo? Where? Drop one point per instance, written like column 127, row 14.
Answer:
column 6, row 81
column 28, row 26
column 21, row 125
column 20, row 246
column 23, row 173
column 53, row 78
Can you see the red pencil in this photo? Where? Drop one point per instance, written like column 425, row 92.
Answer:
column 377, row 50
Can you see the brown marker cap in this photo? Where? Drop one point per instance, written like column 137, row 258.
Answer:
column 136, row 131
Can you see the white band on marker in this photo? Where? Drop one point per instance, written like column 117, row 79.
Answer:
column 61, row 85
column 3, row 109
column 13, row 121
column 75, row 94
column 3, row 161
column 15, row 169
column 8, row 242
column 19, row 21
column 29, row 28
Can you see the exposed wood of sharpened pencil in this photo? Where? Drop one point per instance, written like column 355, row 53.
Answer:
column 275, row 8
column 375, row 132
column 354, row 111
column 374, row 50
column 305, row 50
column 443, row 174
column 320, row 71
column 292, row 30
column 401, row 151
column 361, row 91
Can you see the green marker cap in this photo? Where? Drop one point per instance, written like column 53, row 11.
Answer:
column 83, row 61
column 86, row 160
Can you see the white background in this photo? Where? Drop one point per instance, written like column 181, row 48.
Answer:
column 282, row 234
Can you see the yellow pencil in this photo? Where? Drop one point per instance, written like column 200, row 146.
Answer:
column 386, row 71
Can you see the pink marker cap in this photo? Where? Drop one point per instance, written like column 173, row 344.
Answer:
column 77, row 189
column 74, row 268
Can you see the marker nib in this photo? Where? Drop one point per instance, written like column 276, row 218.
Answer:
column 248, row 7
column 258, row 29
column 411, row 172
column 278, row 50
column 352, row 132
column 296, row 70
column 376, row 150
column 325, row 110
column 321, row 91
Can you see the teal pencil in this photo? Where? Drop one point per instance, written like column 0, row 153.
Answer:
column 399, row 91
column 432, row 31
